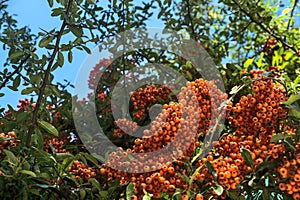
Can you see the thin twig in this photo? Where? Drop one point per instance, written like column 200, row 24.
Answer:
column 24, row 77
column 16, row 70
column 269, row 31
column 46, row 77
column 291, row 17
column 190, row 18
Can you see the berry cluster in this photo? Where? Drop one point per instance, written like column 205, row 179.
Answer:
column 271, row 71
column 229, row 164
column 259, row 113
column 8, row 140
column 98, row 69
column 24, row 106
column 289, row 173
column 270, row 44
column 124, row 126
column 80, row 170
column 256, row 117
column 173, row 130
column 143, row 98
column 58, row 144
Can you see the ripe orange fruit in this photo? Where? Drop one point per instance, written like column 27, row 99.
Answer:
column 199, row 197
column 184, row 197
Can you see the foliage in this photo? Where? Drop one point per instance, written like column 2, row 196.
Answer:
column 255, row 46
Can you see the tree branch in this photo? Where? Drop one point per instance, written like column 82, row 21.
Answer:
column 46, row 77
column 269, row 31
column 291, row 16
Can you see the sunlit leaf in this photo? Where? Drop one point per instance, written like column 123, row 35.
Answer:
column 45, row 41
column 30, row 173
column 278, row 136
column 129, row 191
column 292, row 99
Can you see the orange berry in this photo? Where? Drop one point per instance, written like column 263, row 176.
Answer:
column 199, row 196
column 184, row 197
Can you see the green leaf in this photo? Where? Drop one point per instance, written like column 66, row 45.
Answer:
column 62, row 156
column 285, row 11
column 57, row 11
column 16, row 55
column 246, row 80
column 48, row 127
column 292, row 99
column 260, row 59
column 70, row 56
column 30, row 173
column 11, row 157
column 45, row 41
column 86, row 49
column 21, row 116
column 194, row 174
column 90, row 158
column 54, row 67
column 248, row 63
column 235, row 195
column 12, row 88
column 199, row 153
column 95, row 183
column 82, row 194
column 189, row 64
column 76, row 31
column 50, row 3
column 296, row 82
column 40, row 138
column 103, row 194
column 146, row 197
column 55, row 90
column 67, row 162
column 60, row 59
column 189, row 75
column 278, row 136
column 177, row 194
column 247, row 156
column 28, row 90
column 17, row 82
column 129, row 191
column 2, row 94
column 211, row 169
column 289, row 146
column 90, row 1
column 294, row 113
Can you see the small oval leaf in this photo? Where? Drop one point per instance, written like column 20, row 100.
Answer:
column 247, row 156
column 48, row 127
column 30, row 173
